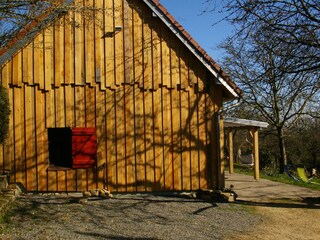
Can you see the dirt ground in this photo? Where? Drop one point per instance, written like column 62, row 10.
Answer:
column 289, row 212
column 263, row 210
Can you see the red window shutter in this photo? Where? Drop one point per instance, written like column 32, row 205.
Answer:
column 84, row 147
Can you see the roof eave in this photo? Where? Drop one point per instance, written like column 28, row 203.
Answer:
column 155, row 6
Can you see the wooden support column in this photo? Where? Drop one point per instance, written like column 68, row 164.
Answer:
column 216, row 153
column 221, row 152
column 230, row 147
column 254, row 133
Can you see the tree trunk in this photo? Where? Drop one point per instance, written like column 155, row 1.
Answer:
column 282, row 149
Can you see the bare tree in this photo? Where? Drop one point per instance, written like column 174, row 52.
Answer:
column 14, row 15
column 292, row 24
column 279, row 96
column 274, row 56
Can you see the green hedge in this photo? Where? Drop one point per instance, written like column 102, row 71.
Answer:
column 4, row 114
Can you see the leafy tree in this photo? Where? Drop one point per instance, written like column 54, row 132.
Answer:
column 4, row 114
column 304, row 143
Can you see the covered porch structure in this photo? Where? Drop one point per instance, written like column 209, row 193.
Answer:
column 231, row 123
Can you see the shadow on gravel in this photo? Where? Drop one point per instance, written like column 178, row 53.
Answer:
column 112, row 237
column 307, row 203
column 145, row 203
column 125, row 216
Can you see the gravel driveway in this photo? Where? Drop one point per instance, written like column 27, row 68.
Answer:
column 125, row 216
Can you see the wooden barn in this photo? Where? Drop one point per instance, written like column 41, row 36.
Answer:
column 112, row 94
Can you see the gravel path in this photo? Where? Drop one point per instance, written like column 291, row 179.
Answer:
column 125, row 216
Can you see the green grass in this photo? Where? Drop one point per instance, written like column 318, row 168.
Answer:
column 277, row 177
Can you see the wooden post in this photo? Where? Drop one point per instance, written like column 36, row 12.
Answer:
column 230, row 147
column 254, row 132
column 216, row 140
column 221, row 152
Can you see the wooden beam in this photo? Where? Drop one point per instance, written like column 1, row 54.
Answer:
column 254, row 132
column 221, row 152
column 230, row 147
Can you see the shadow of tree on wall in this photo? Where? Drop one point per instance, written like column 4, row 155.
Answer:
column 148, row 100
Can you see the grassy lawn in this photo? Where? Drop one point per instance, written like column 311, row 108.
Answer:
column 277, row 177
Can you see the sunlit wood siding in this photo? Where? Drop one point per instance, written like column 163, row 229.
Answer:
column 146, row 94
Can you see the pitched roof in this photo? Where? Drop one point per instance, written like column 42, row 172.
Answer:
column 192, row 44
column 13, row 46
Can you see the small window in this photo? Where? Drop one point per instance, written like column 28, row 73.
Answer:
column 72, row 147
column 60, row 147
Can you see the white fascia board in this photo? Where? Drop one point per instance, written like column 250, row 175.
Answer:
column 190, row 46
column 239, row 122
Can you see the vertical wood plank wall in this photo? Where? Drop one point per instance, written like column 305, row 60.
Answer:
column 140, row 87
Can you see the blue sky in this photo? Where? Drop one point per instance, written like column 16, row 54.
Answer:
column 189, row 13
